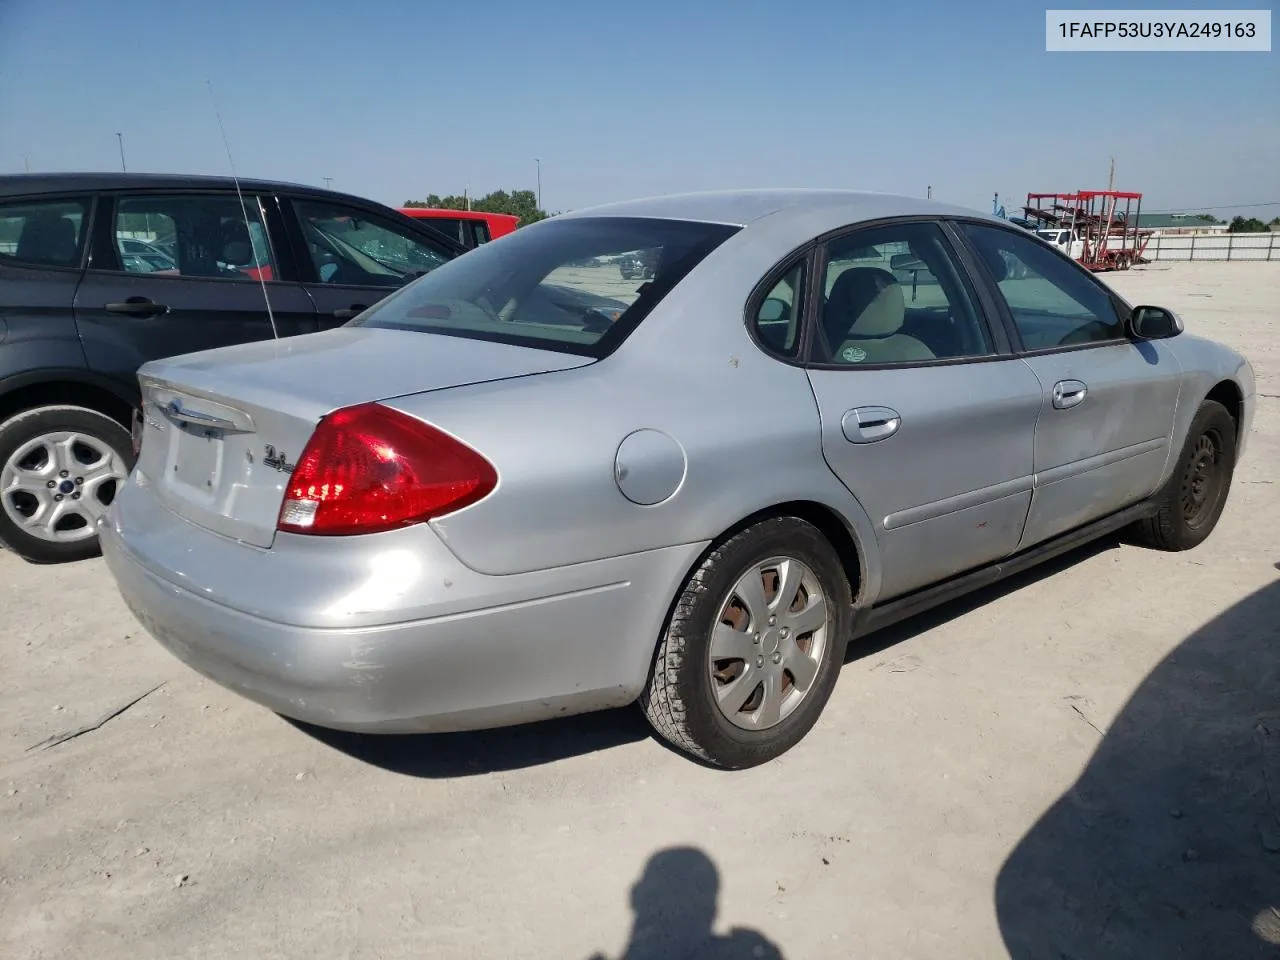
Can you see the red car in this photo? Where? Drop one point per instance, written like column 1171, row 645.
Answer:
column 469, row 227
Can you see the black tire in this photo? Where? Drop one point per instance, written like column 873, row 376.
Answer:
column 679, row 699
column 17, row 432
column 1192, row 500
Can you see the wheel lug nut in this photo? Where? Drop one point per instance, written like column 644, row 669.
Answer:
column 75, row 496
column 784, row 633
column 772, row 621
column 51, row 484
column 79, row 480
column 759, row 661
column 756, row 638
column 57, row 498
column 777, row 658
column 63, row 473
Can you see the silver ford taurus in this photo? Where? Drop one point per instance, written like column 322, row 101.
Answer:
column 534, row 483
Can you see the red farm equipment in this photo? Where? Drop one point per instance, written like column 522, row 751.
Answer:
column 1096, row 228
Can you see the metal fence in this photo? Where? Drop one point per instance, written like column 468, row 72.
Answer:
column 1222, row 246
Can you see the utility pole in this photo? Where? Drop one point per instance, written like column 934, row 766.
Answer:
column 539, row 163
column 26, row 163
column 327, row 181
column 929, row 192
column 1111, row 179
column 120, row 141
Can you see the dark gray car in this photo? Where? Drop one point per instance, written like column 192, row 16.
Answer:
column 100, row 273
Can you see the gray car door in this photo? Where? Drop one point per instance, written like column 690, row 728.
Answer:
column 1106, row 421
column 924, row 417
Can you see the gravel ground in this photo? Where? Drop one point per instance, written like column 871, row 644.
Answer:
column 1072, row 765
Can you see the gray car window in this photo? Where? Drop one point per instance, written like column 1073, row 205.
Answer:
column 777, row 318
column 207, row 236
column 1054, row 302
column 893, row 294
column 351, row 246
column 46, row 233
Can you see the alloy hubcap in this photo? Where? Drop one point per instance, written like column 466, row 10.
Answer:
column 768, row 643
column 56, row 486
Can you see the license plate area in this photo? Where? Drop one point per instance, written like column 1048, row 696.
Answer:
column 196, row 460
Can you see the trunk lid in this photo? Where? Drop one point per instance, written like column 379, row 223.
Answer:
column 222, row 429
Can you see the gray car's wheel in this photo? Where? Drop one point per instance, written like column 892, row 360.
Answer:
column 60, row 468
column 754, row 646
column 1192, row 500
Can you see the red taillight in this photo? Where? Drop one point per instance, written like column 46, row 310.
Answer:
column 370, row 468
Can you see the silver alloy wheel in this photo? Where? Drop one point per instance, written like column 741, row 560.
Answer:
column 768, row 643
column 56, row 486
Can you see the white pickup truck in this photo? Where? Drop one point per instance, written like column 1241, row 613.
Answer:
column 1064, row 239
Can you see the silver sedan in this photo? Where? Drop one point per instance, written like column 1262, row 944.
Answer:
column 527, row 485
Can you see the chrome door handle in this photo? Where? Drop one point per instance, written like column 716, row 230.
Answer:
column 869, row 424
column 1068, row 393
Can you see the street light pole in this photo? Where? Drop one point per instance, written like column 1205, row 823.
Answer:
column 539, row 163
column 120, row 141
column 327, row 181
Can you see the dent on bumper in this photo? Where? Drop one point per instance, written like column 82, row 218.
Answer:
column 584, row 646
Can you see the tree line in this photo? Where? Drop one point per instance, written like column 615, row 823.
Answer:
column 519, row 203
column 1252, row 225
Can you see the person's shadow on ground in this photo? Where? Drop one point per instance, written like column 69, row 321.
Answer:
column 1168, row 846
column 675, row 903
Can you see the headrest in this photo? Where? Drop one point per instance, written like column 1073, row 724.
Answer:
column 995, row 263
column 869, row 300
column 48, row 238
column 237, row 250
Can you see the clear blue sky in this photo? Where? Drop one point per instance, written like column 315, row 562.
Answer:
column 396, row 99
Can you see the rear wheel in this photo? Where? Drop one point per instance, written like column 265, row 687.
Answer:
column 60, row 468
column 754, row 646
column 1193, row 499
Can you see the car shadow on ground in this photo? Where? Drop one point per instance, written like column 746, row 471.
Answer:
column 1168, row 845
column 441, row 755
column 674, row 904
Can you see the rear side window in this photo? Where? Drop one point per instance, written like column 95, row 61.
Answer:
column 573, row 285
column 481, row 231
column 777, row 319
column 46, row 233
column 207, row 236
column 451, row 227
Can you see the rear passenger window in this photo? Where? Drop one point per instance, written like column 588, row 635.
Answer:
column 481, row 231
column 894, row 294
column 777, row 319
column 47, row 233
column 211, row 236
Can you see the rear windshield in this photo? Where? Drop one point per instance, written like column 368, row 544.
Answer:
column 573, row 285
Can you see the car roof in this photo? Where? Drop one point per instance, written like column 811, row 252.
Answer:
column 23, row 184
column 742, row 208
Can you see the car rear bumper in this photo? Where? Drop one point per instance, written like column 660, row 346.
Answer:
column 530, row 647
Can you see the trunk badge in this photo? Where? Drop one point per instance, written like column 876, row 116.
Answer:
column 277, row 460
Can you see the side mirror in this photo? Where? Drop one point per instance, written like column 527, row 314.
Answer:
column 773, row 310
column 1154, row 323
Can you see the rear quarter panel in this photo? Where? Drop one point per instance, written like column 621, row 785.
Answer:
column 747, row 423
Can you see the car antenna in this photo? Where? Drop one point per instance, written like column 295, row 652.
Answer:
column 275, row 334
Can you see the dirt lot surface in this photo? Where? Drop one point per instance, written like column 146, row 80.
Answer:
column 1083, row 764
